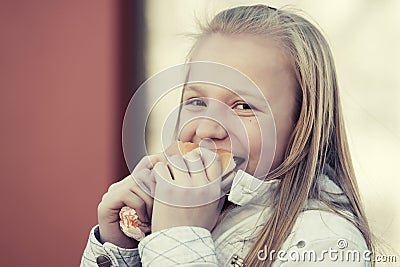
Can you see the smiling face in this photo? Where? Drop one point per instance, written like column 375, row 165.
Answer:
column 213, row 115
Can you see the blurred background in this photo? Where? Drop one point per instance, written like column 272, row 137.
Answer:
column 69, row 68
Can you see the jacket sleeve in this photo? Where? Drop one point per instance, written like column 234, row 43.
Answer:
column 117, row 256
column 178, row 246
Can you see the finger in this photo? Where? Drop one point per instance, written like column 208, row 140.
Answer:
column 138, row 204
column 117, row 199
column 179, row 171
column 139, row 177
column 196, row 168
column 115, row 186
column 144, row 180
column 150, row 183
column 152, row 186
column 143, row 186
column 149, row 162
column 212, row 163
column 161, row 171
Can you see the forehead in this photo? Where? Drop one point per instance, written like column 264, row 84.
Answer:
column 209, row 79
column 213, row 91
column 261, row 59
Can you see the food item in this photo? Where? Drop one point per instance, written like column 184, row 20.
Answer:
column 129, row 223
column 182, row 148
column 129, row 220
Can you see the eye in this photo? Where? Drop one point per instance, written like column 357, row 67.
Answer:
column 243, row 106
column 198, row 102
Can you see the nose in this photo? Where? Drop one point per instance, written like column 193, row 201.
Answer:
column 210, row 129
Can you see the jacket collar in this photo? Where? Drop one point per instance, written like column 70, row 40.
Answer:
column 248, row 189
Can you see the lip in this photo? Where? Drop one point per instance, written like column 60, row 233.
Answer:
column 215, row 149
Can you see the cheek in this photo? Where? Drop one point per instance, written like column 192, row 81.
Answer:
column 262, row 139
column 255, row 141
column 284, row 131
column 254, row 136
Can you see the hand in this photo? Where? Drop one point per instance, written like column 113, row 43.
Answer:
column 188, row 191
column 134, row 191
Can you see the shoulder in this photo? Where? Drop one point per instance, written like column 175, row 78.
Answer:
column 318, row 222
column 320, row 225
column 323, row 238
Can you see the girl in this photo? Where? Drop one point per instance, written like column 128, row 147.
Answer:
column 306, row 211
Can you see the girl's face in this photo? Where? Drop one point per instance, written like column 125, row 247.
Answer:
column 266, row 64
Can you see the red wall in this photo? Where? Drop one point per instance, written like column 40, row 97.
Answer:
column 61, row 99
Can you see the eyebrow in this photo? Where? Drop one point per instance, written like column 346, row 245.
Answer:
column 192, row 88
column 200, row 89
column 239, row 92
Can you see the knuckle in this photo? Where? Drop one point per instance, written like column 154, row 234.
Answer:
column 158, row 165
column 178, row 158
column 211, row 158
column 140, row 175
column 104, row 198
column 178, row 163
column 145, row 161
column 113, row 186
column 136, row 181
column 99, row 206
column 192, row 155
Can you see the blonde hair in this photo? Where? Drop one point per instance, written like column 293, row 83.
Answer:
column 319, row 137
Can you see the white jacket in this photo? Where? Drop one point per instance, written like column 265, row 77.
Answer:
column 319, row 237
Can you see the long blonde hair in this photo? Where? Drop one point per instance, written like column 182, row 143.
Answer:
column 319, row 137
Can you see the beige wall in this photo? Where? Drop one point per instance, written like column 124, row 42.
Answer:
column 365, row 41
